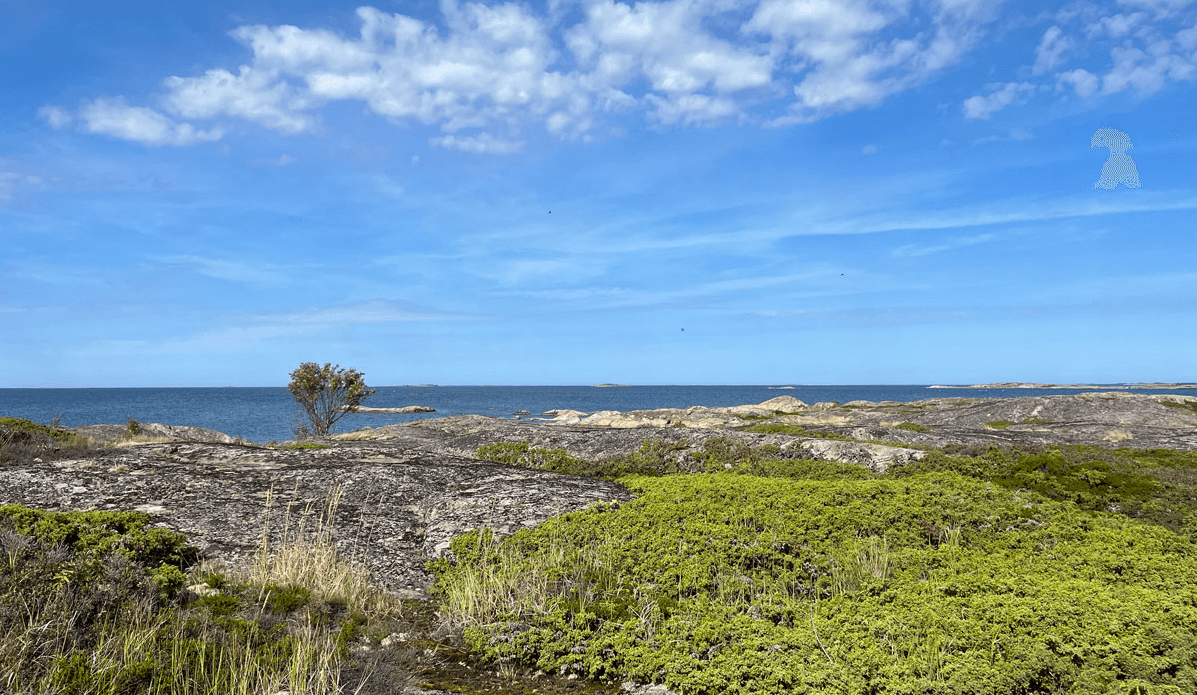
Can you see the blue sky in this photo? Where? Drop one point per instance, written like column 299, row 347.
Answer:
column 677, row 192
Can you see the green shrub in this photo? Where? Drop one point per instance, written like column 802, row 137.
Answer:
column 94, row 534
column 653, row 458
column 930, row 583
column 284, row 599
column 777, row 428
column 23, row 440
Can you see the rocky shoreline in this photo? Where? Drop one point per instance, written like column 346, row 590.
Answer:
column 412, row 487
column 408, row 489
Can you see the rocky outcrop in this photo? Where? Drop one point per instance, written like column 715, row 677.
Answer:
column 464, row 434
column 1095, row 418
column 114, row 434
column 404, row 409
column 398, row 507
column 697, row 416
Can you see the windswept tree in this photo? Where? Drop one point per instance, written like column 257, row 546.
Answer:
column 325, row 394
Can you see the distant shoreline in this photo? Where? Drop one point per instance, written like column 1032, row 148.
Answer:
column 1031, row 385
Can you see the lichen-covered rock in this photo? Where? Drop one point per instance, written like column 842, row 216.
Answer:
column 398, row 508
column 112, row 434
column 463, row 435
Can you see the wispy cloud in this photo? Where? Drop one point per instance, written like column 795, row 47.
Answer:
column 55, row 116
column 247, row 329
column 1000, row 96
column 1009, row 212
column 909, row 250
column 115, row 118
column 224, row 269
column 484, row 143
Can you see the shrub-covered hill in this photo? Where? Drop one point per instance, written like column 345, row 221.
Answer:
column 930, row 583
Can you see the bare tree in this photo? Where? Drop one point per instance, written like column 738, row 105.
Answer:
column 325, row 394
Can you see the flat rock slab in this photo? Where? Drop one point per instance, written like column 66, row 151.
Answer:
column 464, row 434
column 398, row 507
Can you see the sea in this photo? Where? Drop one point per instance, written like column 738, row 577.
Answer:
column 264, row 414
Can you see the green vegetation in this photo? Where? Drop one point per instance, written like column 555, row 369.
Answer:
column 1155, row 485
column 777, row 428
column 1190, row 406
column 933, row 582
column 653, row 458
column 976, row 570
column 912, row 427
column 91, row 603
column 303, row 445
column 980, row 569
column 23, row 440
column 325, row 394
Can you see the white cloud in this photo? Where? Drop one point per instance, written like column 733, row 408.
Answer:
column 56, row 117
column 1188, row 37
column 116, row 118
column 1082, row 81
column 847, row 67
column 1145, row 54
column 1115, row 26
column 486, row 71
column 869, row 149
column 1162, row 8
column 252, row 94
column 691, row 109
column 984, row 107
column 1133, row 68
column 663, row 42
column 1051, row 48
column 484, row 143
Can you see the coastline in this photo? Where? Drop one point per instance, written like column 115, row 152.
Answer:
column 1034, row 385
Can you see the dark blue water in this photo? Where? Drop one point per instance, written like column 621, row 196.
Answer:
column 264, row 414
